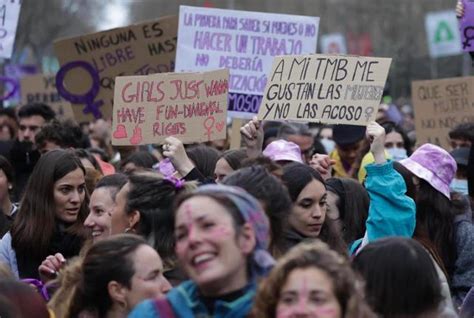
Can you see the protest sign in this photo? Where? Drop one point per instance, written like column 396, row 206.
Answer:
column 466, row 26
column 334, row 43
column 440, row 105
column 41, row 88
column 91, row 62
column 245, row 43
column 189, row 106
column 243, row 105
column 332, row 89
column 9, row 13
column 443, row 34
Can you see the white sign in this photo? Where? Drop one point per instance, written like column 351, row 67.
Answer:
column 334, row 43
column 9, row 13
column 443, row 34
column 244, row 42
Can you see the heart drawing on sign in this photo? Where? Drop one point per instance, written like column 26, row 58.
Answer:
column 120, row 132
column 220, row 126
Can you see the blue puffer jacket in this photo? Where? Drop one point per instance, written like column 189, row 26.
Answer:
column 185, row 303
column 391, row 211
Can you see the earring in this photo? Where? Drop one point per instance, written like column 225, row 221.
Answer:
column 10, row 187
column 130, row 230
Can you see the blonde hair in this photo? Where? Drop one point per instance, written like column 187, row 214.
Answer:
column 348, row 288
column 67, row 280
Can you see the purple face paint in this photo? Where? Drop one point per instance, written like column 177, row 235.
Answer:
column 14, row 87
column 305, row 306
column 87, row 98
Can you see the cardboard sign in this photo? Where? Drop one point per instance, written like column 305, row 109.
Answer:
column 42, row 89
column 332, row 89
column 12, row 82
column 244, row 42
column 9, row 13
column 189, row 106
column 94, row 60
column 443, row 34
column 334, row 43
column 439, row 106
column 466, row 26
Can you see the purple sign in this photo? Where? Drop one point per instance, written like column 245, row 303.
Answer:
column 466, row 26
column 243, row 105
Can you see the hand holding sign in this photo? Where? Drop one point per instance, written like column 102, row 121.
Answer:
column 323, row 164
column 376, row 135
column 252, row 133
column 459, row 9
column 174, row 150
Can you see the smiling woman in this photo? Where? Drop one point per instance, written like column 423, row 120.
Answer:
column 50, row 216
column 222, row 236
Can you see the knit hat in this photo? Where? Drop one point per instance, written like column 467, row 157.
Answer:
column 283, row 150
column 434, row 165
column 252, row 212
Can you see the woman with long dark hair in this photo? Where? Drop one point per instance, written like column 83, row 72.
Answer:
column 308, row 217
column 51, row 215
column 401, row 280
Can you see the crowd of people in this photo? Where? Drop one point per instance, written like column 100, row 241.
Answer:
column 300, row 221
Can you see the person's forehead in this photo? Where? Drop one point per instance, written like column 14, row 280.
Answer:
column 349, row 146
column 32, row 120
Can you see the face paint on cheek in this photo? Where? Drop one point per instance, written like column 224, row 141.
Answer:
column 324, row 311
column 303, row 295
column 221, row 232
column 296, row 309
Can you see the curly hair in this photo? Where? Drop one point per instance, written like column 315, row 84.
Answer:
column 348, row 289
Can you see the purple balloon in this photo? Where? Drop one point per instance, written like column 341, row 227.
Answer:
column 87, row 98
column 15, row 87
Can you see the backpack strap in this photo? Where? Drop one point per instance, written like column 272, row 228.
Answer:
column 163, row 307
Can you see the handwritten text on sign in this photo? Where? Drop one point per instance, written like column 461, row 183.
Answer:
column 325, row 88
column 244, row 42
column 41, row 88
column 440, row 105
column 189, row 106
column 139, row 49
column 9, row 13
